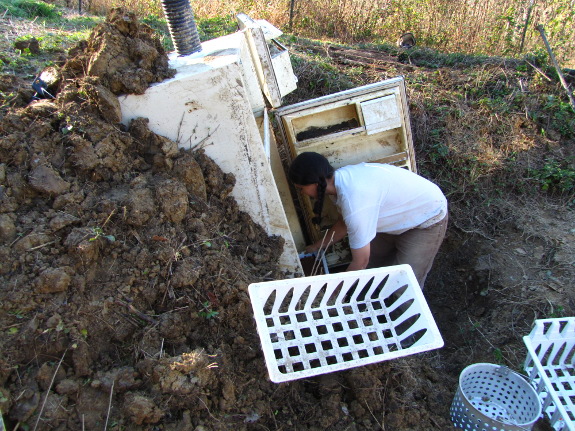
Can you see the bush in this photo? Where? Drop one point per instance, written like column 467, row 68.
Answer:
column 30, row 9
column 556, row 176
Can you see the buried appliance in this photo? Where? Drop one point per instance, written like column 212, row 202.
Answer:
column 218, row 101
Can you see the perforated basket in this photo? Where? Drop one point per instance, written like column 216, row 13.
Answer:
column 550, row 366
column 492, row 397
column 315, row 325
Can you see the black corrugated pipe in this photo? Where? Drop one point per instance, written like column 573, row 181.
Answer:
column 182, row 26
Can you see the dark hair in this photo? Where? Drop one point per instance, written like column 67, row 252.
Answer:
column 312, row 168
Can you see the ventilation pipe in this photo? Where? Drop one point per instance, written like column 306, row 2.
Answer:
column 182, row 26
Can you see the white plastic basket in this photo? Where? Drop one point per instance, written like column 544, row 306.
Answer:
column 550, row 366
column 316, row 325
column 493, row 397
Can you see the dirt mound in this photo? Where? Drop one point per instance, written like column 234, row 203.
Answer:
column 122, row 53
column 124, row 261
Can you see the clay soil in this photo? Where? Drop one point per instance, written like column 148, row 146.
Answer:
column 125, row 262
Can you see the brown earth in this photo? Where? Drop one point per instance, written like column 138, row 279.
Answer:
column 124, row 266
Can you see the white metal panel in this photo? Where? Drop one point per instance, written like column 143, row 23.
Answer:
column 281, row 62
column 381, row 114
column 261, row 59
column 220, row 52
column 282, row 184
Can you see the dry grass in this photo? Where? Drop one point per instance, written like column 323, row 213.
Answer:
column 472, row 26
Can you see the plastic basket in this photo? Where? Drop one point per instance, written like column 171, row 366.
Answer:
column 316, row 325
column 494, row 398
column 549, row 364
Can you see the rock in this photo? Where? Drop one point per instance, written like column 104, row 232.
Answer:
column 173, row 198
column 141, row 206
column 82, row 360
column 60, row 221
column 31, row 241
column 141, row 410
column 53, row 280
column 32, row 44
column 190, row 172
column 124, row 379
column 52, row 77
column 46, row 180
column 78, row 242
column 7, row 228
column 48, row 372
column 68, row 387
column 106, row 101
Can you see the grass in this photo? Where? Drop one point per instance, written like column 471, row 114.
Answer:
column 29, row 9
column 55, row 29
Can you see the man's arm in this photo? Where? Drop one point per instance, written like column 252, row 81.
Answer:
column 359, row 258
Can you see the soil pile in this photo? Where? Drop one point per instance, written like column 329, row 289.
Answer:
column 124, row 261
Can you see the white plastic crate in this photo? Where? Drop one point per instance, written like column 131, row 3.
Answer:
column 550, row 366
column 316, row 325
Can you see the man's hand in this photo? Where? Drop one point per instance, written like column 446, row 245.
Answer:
column 336, row 233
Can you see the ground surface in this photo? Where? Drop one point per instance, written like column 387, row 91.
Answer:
column 124, row 267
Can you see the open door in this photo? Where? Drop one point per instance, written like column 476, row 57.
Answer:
column 364, row 124
column 271, row 59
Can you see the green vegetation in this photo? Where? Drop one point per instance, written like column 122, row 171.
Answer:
column 207, row 312
column 557, row 176
column 55, row 41
column 210, row 28
column 98, row 232
column 30, row 9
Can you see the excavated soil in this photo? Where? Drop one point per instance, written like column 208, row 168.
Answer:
column 124, row 266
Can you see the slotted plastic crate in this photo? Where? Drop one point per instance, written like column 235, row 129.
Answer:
column 316, row 325
column 550, row 366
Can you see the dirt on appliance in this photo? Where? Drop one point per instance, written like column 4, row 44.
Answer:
column 124, row 266
column 316, row 132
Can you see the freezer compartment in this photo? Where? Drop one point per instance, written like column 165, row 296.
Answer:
column 365, row 124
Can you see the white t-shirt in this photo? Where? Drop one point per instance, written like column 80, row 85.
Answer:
column 384, row 198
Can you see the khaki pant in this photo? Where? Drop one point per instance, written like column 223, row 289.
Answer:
column 416, row 247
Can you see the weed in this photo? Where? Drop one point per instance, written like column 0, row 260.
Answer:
column 207, row 312
column 561, row 116
column 160, row 26
column 59, row 41
column 98, row 232
column 498, row 354
column 18, row 314
column 557, row 176
column 557, row 312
